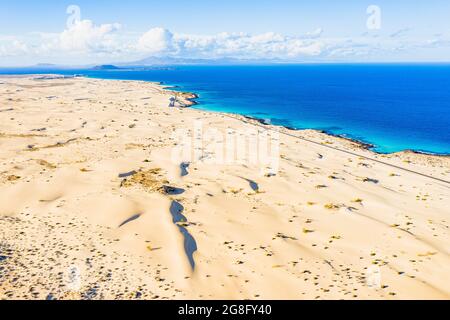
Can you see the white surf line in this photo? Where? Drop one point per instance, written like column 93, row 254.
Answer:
column 341, row 150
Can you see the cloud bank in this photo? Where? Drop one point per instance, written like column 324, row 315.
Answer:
column 84, row 37
column 87, row 42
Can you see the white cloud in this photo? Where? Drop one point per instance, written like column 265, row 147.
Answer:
column 85, row 42
column 243, row 45
column 85, row 37
column 314, row 34
column 10, row 47
column 155, row 41
column 400, row 33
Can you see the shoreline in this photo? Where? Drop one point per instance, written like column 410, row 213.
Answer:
column 190, row 100
column 363, row 144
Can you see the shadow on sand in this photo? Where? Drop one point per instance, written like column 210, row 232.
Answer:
column 190, row 246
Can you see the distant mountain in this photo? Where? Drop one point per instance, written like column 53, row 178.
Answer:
column 51, row 66
column 170, row 61
column 45, row 65
column 163, row 61
column 106, row 67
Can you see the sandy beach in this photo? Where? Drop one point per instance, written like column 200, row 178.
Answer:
column 93, row 204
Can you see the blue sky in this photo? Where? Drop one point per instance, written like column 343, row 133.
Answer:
column 291, row 30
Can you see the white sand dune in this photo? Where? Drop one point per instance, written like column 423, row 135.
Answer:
column 327, row 225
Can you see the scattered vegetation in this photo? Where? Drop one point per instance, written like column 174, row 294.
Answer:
column 331, row 206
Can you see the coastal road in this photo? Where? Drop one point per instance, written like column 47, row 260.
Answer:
column 446, row 183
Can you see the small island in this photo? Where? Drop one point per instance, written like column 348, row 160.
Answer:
column 106, row 67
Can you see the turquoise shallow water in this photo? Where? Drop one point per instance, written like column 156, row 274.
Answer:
column 393, row 107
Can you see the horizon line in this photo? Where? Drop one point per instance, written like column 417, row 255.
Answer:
column 232, row 63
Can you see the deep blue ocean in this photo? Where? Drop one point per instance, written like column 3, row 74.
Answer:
column 391, row 106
